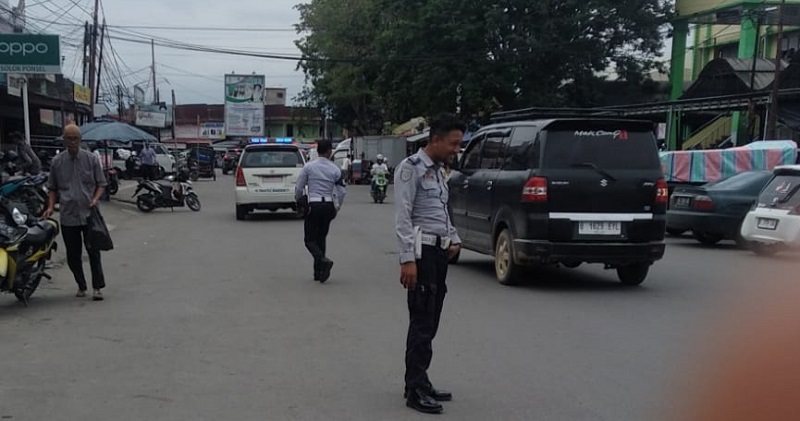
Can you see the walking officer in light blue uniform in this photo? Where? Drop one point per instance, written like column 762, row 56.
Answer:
column 428, row 240
column 326, row 191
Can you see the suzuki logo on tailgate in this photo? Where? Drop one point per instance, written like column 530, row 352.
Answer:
column 604, row 182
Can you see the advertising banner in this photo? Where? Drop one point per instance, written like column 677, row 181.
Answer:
column 15, row 84
column 151, row 119
column 30, row 53
column 214, row 131
column 244, row 105
column 82, row 94
column 47, row 117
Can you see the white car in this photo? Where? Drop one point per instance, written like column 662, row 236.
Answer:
column 266, row 177
column 774, row 222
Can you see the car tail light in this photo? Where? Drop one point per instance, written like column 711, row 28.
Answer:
column 535, row 190
column 662, row 192
column 240, row 178
column 703, row 203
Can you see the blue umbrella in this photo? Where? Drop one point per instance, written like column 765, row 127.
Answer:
column 117, row 131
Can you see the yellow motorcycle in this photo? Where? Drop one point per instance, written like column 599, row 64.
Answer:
column 26, row 245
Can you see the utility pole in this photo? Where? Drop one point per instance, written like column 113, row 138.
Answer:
column 174, row 140
column 120, row 105
column 85, row 47
column 100, row 65
column 772, row 123
column 92, row 59
column 153, row 55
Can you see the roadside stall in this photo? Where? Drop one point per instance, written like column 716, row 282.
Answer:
column 700, row 167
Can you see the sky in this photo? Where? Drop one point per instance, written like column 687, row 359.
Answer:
column 196, row 77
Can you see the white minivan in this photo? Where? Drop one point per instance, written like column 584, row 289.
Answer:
column 266, row 177
column 774, row 222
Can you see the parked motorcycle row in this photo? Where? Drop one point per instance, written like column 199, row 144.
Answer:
column 27, row 241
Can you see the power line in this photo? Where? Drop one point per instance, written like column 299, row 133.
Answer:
column 202, row 28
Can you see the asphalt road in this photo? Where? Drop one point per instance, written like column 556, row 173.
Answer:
column 207, row 318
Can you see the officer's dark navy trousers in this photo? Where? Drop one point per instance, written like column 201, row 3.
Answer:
column 425, row 309
column 317, row 225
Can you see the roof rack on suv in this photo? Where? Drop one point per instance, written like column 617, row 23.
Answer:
column 539, row 113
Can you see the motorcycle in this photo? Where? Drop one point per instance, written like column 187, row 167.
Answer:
column 112, row 177
column 229, row 163
column 26, row 245
column 28, row 190
column 156, row 195
column 379, row 183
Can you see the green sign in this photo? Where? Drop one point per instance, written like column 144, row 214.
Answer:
column 29, row 53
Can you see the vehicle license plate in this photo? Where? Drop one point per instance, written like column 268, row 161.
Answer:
column 600, row 228
column 767, row 224
column 272, row 190
column 683, row 202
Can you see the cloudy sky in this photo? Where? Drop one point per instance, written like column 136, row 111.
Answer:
column 196, row 77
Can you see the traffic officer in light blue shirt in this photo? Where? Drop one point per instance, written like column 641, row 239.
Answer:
column 428, row 240
column 326, row 191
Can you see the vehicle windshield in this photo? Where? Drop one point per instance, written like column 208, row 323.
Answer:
column 782, row 191
column 604, row 150
column 272, row 158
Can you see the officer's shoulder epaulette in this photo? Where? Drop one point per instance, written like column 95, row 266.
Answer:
column 414, row 159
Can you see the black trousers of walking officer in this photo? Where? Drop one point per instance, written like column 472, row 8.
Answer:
column 425, row 304
column 317, row 225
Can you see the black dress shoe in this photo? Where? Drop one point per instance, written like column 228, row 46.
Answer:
column 325, row 270
column 438, row 395
column 419, row 400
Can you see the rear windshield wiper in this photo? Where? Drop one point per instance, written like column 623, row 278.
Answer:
column 594, row 166
column 788, row 196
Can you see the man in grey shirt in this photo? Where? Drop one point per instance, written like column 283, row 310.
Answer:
column 326, row 193
column 149, row 162
column 77, row 182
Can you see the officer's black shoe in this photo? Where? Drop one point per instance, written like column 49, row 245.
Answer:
column 438, row 395
column 325, row 270
column 419, row 400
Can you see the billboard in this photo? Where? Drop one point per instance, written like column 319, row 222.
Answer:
column 14, row 84
column 151, row 119
column 244, row 105
column 214, row 131
column 82, row 94
column 30, row 53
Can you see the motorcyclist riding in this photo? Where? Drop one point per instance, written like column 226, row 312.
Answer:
column 379, row 168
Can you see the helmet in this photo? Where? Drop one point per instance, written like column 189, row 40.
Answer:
column 380, row 158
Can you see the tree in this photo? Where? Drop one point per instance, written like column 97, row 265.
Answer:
column 374, row 60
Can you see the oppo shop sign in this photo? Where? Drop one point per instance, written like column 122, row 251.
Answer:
column 29, row 53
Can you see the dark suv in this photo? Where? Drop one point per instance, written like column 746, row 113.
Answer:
column 566, row 191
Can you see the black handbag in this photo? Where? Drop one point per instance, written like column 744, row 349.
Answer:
column 99, row 237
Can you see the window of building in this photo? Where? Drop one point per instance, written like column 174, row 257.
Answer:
column 290, row 130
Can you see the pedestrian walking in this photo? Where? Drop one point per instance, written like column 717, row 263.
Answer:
column 149, row 162
column 347, row 163
column 326, row 191
column 428, row 240
column 77, row 182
